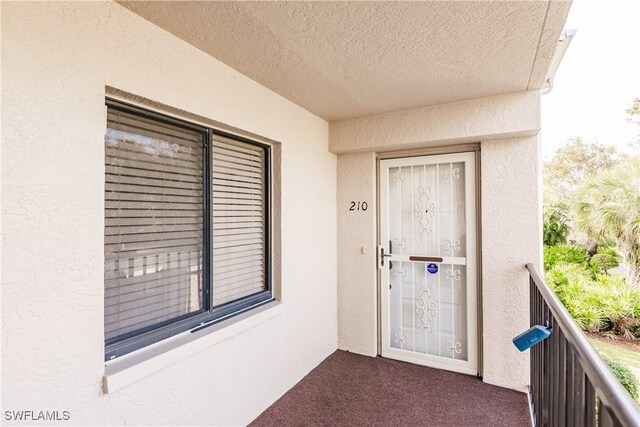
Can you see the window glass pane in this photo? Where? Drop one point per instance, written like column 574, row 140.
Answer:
column 238, row 222
column 153, row 223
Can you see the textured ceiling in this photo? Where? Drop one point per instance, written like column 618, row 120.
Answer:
column 348, row 59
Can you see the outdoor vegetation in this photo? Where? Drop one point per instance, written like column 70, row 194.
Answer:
column 591, row 235
column 623, row 360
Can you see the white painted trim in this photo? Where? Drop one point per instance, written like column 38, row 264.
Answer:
column 532, row 416
column 472, row 259
column 470, row 366
column 146, row 361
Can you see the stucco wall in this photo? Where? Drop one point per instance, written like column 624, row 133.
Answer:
column 511, row 218
column 57, row 59
column 500, row 116
column 357, row 270
column 511, row 237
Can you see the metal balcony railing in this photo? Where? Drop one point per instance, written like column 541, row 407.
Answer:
column 570, row 383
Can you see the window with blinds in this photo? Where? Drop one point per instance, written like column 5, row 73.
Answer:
column 239, row 217
column 186, row 227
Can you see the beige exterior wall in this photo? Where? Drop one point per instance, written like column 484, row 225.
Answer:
column 357, row 271
column 57, row 59
column 500, row 116
column 506, row 126
column 511, row 237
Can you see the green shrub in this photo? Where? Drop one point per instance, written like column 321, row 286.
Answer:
column 606, row 259
column 608, row 249
column 624, row 375
column 602, row 263
column 620, row 303
column 597, row 303
column 572, row 283
column 555, row 226
column 561, row 254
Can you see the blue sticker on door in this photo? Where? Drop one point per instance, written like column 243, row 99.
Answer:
column 432, row 268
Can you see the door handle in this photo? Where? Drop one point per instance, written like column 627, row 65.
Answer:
column 425, row 258
column 381, row 256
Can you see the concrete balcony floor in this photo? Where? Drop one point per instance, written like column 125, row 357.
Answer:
column 351, row 390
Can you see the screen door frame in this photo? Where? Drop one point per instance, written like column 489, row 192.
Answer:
column 471, row 153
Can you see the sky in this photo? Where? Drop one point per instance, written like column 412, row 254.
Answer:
column 598, row 77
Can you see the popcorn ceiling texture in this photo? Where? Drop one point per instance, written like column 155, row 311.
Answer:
column 351, row 59
column 57, row 59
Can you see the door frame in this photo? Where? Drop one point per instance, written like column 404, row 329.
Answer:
column 432, row 151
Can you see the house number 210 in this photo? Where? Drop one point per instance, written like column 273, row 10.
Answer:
column 358, row 206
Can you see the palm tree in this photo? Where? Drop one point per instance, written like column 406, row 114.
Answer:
column 608, row 207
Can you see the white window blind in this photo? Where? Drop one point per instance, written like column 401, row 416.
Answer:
column 238, row 173
column 153, row 223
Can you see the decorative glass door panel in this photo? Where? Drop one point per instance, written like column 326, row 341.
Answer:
column 428, row 261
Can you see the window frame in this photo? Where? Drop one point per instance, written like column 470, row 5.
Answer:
column 208, row 315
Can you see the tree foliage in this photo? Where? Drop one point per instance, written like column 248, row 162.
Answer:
column 572, row 165
column 608, row 206
column 634, row 111
column 633, row 115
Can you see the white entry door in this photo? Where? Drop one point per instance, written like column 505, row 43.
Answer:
column 428, row 261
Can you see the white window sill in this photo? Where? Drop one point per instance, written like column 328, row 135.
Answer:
column 146, row 361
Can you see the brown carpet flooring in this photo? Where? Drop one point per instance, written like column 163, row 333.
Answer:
column 352, row 390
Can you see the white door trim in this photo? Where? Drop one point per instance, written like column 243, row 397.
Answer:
column 469, row 366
